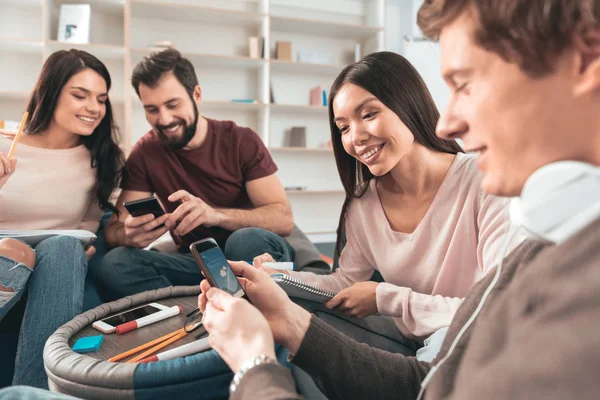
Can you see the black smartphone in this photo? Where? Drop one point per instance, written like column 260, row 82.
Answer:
column 215, row 268
column 149, row 205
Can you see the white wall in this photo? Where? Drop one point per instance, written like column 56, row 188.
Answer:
column 401, row 21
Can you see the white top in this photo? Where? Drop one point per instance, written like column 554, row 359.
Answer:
column 50, row 189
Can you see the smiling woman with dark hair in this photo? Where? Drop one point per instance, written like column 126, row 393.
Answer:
column 66, row 165
column 414, row 211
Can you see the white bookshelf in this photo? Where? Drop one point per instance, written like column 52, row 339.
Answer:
column 213, row 35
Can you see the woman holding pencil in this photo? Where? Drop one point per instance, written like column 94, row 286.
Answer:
column 56, row 173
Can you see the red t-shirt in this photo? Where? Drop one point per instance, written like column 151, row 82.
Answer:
column 216, row 172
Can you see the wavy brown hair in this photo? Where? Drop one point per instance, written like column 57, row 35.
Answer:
column 106, row 156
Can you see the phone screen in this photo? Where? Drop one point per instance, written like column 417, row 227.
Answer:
column 131, row 315
column 218, row 268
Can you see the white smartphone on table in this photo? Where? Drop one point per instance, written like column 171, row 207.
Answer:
column 109, row 324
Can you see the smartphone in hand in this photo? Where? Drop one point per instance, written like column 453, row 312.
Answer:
column 215, row 268
column 148, row 205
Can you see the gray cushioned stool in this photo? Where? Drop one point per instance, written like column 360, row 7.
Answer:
column 200, row 376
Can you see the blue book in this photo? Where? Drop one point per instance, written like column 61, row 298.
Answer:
column 324, row 98
column 243, row 101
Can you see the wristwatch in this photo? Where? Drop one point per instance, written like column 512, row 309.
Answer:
column 247, row 366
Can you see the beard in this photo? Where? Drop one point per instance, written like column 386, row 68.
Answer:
column 189, row 131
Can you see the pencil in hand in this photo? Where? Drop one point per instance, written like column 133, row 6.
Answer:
column 19, row 131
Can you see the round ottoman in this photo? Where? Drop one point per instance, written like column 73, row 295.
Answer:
column 89, row 376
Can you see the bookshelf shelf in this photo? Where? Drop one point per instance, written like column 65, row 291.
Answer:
column 21, row 46
column 305, row 68
column 186, row 12
column 231, row 105
column 321, row 28
column 102, row 51
column 209, row 60
column 218, row 105
column 294, row 108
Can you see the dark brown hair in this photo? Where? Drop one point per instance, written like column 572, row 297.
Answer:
column 530, row 33
column 393, row 80
column 107, row 157
column 153, row 67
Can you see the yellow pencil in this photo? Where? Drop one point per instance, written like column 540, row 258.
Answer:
column 14, row 143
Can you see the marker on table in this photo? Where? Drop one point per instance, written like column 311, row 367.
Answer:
column 282, row 266
column 148, row 319
column 181, row 351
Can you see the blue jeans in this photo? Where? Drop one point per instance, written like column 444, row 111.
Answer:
column 54, row 295
column 125, row 271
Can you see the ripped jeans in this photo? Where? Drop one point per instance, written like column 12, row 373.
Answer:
column 53, row 291
column 13, row 275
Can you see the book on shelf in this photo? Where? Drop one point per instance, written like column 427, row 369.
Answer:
column 74, row 23
column 296, row 288
column 256, row 47
column 283, row 51
column 33, row 237
column 318, row 96
column 247, row 101
column 253, row 46
column 295, row 137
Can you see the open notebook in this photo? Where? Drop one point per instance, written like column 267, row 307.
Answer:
column 33, row 237
column 296, row 288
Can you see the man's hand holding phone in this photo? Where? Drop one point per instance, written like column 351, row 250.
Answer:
column 145, row 229
column 237, row 330
column 191, row 213
column 287, row 320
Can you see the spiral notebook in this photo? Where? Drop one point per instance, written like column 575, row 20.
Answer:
column 296, row 288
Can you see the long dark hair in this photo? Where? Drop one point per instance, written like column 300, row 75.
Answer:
column 107, row 157
column 397, row 84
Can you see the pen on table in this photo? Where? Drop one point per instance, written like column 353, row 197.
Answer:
column 154, row 349
column 148, row 319
column 181, row 351
column 146, row 346
column 19, row 131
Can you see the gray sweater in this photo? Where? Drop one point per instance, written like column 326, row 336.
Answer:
column 537, row 337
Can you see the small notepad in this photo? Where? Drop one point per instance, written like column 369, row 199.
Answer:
column 296, row 288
